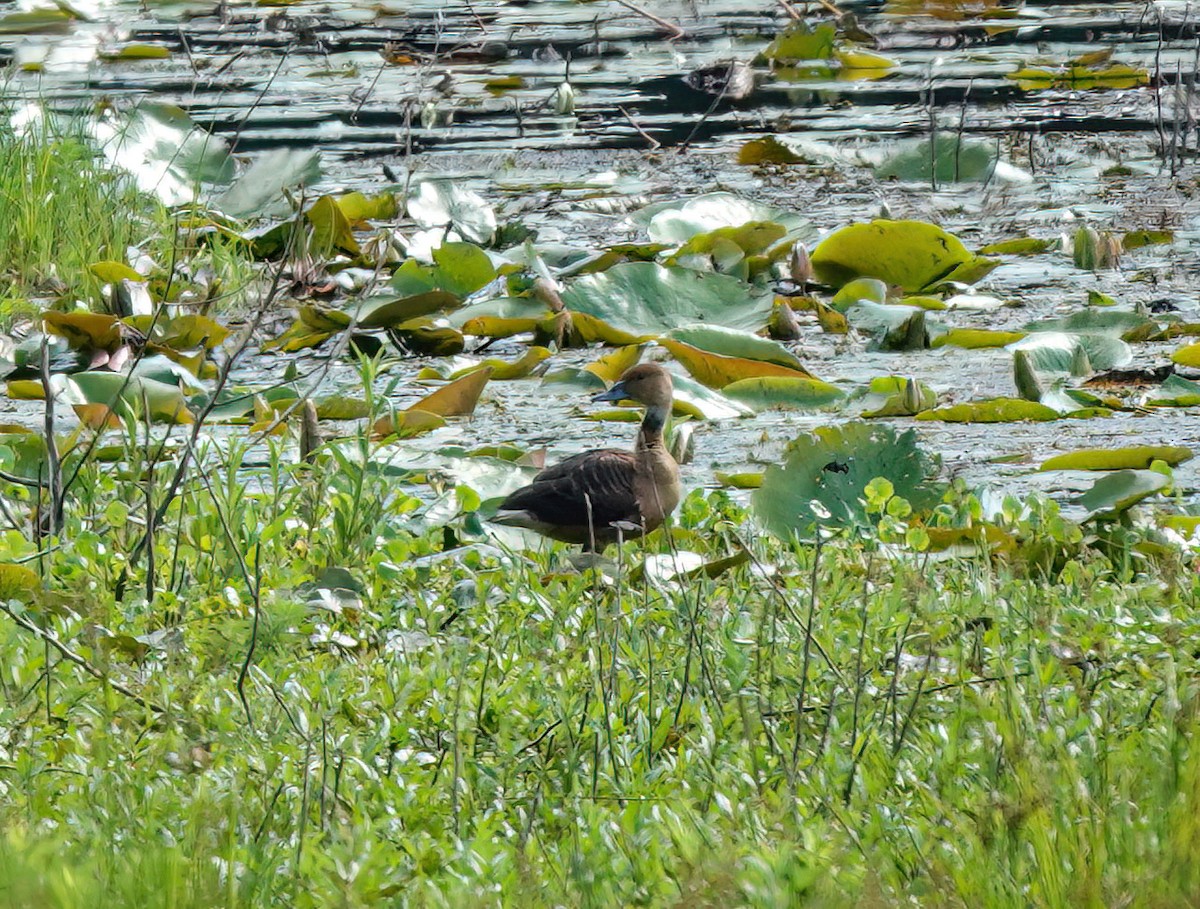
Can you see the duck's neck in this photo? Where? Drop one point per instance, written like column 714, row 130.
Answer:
column 651, row 434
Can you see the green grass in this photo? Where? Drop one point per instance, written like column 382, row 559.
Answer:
column 494, row 730
column 62, row 209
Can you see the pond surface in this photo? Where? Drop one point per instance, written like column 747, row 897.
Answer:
column 466, row 90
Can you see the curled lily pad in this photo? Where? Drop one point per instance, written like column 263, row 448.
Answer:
column 731, row 342
column 717, row 371
column 120, row 395
column 1055, row 351
column 914, row 255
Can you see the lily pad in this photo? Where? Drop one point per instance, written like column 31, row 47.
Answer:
column 950, row 159
column 1056, row 351
column 824, row 473
column 645, row 299
column 977, row 338
column 1137, row 457
column 717, row 371
column 444, row 203
column 993, row 410
column 914, row 255
column 783, row 393
column 1117, row 492
column 459, row 268
column 675, row 223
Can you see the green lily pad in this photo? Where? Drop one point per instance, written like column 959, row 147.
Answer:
column 824, row 473
column 977, row 338
column 460, row 268
column 260, row 191
column 1056, row 351
column 730, row 342
column 1115, row 322
column 950, row 159
column 1137, row 457
column 1117, row 492
column 644, row 299
column 1018, row 246
column 993, row 410
column 914, row 255
column 783, row 393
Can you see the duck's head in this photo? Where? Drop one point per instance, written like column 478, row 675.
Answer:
column 646, row 383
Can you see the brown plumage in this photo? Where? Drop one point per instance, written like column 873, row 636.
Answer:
column 580, row 499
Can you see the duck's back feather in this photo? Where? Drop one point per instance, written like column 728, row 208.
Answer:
column 597, row 485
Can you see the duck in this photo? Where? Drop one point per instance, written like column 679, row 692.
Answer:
column 597, row 497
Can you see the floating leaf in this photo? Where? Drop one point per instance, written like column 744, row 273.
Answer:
column 129, row 394
column 390, row 312
column 444, row 203
column 825, row 472
column 1054, row 351
column 1019, row 246
column 800, row 43
column 739, row 480
column 500, row 318
column 950, row 159
column 1114, row 322
column 733, row 343
column 1081, row 78
column 359, row 208
column 114, row 272
column 993, row 410
column 1135, row 457
column 912, row 254
column 1187, row 356
column 871, row 290
column 694, row 400
column 977, row 338
column 717, row 371
column 1117, row 492
column 783, row 393
column 458, row 398
column 164, row 150
column 130, row 52
column 768, row 150
column 459, row 268
column 677, row 222
column 612, row 366
column 260, row 191
column 85, row 330
column 408, row 423
column 330, row 229
column 1136, row 239
column 644, row 299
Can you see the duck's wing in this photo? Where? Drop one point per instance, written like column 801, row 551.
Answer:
column 560, row 495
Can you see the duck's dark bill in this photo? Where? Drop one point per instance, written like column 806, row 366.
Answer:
column 616, row 393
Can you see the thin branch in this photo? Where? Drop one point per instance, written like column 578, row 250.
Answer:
column 71, row 656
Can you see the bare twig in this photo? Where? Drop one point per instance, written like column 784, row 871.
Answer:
column 654, row 143
column 675, row 31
